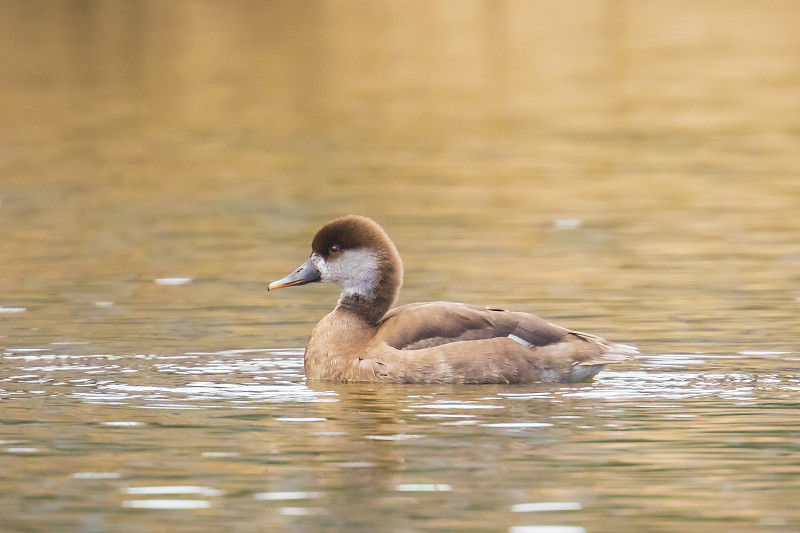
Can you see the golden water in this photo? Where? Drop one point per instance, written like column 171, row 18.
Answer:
column 626, row 168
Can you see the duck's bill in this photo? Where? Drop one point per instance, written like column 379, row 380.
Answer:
column 306, row 273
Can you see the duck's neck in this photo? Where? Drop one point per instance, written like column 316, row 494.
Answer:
column 368, row 309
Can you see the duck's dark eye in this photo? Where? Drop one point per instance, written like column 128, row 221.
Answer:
column 335, row 249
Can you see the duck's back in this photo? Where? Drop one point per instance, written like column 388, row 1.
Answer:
column 451, row 342
column 424, row 325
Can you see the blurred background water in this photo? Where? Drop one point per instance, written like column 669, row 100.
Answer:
column 624, row 168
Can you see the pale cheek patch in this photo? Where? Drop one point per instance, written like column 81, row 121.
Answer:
column 355, row 271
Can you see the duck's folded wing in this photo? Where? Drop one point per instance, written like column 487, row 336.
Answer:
column 419, row 326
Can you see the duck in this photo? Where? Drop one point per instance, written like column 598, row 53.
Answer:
column 365, row 339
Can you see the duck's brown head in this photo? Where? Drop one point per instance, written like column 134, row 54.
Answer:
column 355, row 253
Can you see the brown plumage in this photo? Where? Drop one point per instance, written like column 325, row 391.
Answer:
column 364, row 340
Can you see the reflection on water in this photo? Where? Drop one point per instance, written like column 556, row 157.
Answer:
column 624, row 168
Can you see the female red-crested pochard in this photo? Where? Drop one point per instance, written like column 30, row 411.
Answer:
column 364, row 340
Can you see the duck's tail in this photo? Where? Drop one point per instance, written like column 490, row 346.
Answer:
column 612, row 353
column 620, row 352
column 608, row 352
